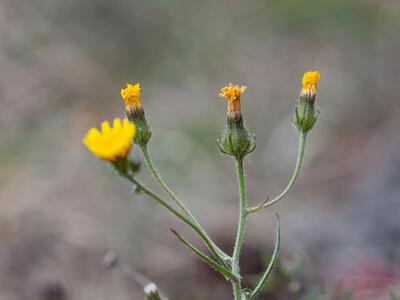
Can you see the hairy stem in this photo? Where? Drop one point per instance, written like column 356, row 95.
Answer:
column 240, row 229
column 161, row 182
column 299, row 161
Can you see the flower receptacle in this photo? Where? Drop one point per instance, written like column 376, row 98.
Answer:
column 236, row 141
column 305, row 116
column 143, row 131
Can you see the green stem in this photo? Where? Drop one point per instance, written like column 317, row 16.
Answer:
column 299, row 161
column 161, row 182
column 221, row 256
column 241, row 226
column 162, row 202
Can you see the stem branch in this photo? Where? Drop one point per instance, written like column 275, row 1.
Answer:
column 299, row 161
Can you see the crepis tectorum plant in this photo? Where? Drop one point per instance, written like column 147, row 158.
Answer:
column 113, row 144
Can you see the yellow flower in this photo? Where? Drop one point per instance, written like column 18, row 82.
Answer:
column 131, row 96
column 111, row 143
column 310, row 81
column 232, row 93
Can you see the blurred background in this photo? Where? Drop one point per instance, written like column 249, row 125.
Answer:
column 62, row 65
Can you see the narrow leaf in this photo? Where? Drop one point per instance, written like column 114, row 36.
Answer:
column 224, row 271
column 272, row 262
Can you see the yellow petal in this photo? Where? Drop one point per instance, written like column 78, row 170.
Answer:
column 105, row 127
column 111, row 143
column 117, row 123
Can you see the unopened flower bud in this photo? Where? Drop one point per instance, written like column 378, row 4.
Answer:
column 305, row 114
column 135, row 113
column 236, row 140
column 151, row 292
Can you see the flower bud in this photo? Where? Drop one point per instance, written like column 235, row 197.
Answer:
column 151, row 292
column 135, row 113
column 305, row 114
column 236, row 140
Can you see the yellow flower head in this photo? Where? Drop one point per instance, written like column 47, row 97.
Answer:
column 232, row 93
column 131, row 96
column 111, row 143
column 310, row 81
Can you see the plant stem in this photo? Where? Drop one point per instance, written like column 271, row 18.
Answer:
column 222, row 256
column 299, row 161
column 162, row 202
column 241, row 226
column 161, row 182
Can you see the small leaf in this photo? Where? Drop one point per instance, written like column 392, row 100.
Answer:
column 272, row 262
column 134, row 166
column 224, row 271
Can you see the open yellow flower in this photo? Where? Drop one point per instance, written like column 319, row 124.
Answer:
column 131, row 96
column 310, row 81
column 232, row 93
column 111, row 143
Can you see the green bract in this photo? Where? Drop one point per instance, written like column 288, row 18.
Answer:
column 236, row 141
column 143, row 132
column 305, row 115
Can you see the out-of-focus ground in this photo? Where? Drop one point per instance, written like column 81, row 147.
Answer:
column 62, row 64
